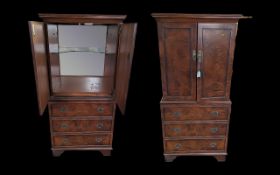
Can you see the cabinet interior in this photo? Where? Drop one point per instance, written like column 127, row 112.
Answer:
column 82, row 59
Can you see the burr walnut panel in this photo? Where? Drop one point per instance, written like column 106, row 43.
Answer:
column 215, row 41
column 178, row 45
column 195, row 129
column 81, row 109
column 85, row 125
column 194, row 145
column 82, row 140
column 194, row 113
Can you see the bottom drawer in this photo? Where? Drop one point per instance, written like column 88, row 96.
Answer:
column 82, row 140
column 194, row 145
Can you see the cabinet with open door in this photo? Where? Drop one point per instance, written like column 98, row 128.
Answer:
column 82, row 65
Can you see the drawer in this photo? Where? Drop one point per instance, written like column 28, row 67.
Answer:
column 84, row 125
column 195, row 113
column 195, row 129
column 81, row 109
column 82, row 140
column 194, row 145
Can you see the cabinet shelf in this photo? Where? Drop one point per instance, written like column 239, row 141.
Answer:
column 82, row 86
column 81, row 49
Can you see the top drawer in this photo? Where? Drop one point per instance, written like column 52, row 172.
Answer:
column 61, row 109
column 195, row 113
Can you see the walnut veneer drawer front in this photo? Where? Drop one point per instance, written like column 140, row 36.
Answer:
column 82, row 140
column 81, row 109
column 81, row 125
column 195, row 113
column 194, row 145
column 195, row 129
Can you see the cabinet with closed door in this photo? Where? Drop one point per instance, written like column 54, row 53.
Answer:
column 196, row 57
column 82, row 66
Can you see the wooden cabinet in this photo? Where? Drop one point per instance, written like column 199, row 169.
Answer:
column 82, row 68
column 196, row 57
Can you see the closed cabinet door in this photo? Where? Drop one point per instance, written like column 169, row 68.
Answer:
column 177, row 43
column 215, row 52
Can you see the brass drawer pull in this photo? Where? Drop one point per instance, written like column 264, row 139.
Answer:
column 65, row 141
column 99, row 139
column 177, row 114
column 177, row 130
column 178, row 145
column 99, row 125
column 213, row 145
column 214, row 130
column 100, row 109
column 63, row 109
column 64, row 125
column 215, row 113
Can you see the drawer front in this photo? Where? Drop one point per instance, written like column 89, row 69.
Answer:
column 195, row 113
column 195, row 129
column 81, row 109
column 194, row 145
column 81, row 125
column 82, row 140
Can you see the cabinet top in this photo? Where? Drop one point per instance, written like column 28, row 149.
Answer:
column 82, row 18
column 182, row 16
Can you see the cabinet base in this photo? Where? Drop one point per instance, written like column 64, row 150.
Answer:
column 220, row 158
column 58, row 152
column 171, row 158
column 106, row 152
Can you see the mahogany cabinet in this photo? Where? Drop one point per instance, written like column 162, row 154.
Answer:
column 82, row 66
column 196, row 57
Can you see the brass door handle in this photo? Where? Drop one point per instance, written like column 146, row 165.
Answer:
column 199, row 56
column 194, row 55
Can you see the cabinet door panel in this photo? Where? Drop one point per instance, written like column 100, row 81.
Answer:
column 216, row 41
column 39, row 53
column 177, row 45
column 124, row 61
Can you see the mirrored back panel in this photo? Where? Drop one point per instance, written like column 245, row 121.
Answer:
column 82, row 49
column 82, row 59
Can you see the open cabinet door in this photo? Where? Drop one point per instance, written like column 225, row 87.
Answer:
column 39, row 53
column 124, row 60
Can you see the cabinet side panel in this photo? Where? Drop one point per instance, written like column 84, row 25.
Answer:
column 179, row 44
column 38, row 45
column 216, row 41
